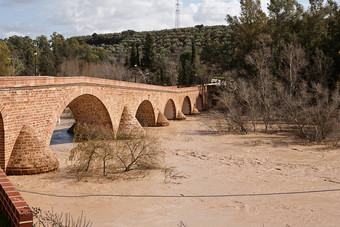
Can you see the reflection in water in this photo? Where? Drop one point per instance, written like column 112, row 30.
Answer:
column 61, row 136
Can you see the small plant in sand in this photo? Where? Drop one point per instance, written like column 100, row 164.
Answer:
column 50, row 218
column 97, row 149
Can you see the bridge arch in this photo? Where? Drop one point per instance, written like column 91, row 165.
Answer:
column 170, row 110
column 86, row 107
column 199, row 102
column 145, row 114
column 186, row 106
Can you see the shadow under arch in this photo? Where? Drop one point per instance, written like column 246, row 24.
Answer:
column 170, row 110
column 145, row 114
column 186, row 106
column 199, row 102
column 86, row 109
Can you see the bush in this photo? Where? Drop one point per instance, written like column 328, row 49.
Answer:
column 97, row 149
column 47, row 218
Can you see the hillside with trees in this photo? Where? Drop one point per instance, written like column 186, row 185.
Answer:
column 153, row 56
column 187, row 56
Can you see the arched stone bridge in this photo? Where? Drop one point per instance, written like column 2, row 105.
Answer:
column 30, row 108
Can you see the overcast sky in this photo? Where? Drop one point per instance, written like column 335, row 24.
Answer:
column 85, row 17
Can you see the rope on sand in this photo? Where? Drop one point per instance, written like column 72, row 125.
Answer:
column 182, row 195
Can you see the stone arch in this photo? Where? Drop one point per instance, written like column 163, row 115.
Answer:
column 199, row 102
column 2, row 142
column 89, row 109
column 170, row 110
column 186, row 106
column 145, row 114
column 86, row 108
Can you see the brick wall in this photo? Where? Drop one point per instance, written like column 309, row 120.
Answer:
column 13, row 205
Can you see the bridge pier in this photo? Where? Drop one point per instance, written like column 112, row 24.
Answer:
column 162, row 120
column 180, row 116
column 30, row 155
column 129, row 127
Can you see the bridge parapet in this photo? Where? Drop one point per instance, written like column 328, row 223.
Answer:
column 29, row 81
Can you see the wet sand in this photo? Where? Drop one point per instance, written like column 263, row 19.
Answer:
column 201, row 163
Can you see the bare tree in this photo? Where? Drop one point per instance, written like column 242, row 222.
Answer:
column 94, row 143
column 17, row 67
column 313, row 110
column 294, row 60
column 262, row 60
column 248, row 98
column 139, row 153
column 321, row 68
column 97, row 148
column 234, row 110
column 107, row 70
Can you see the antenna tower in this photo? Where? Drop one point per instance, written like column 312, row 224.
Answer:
column 178, row 12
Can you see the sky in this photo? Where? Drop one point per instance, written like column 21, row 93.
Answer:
column 85, row 17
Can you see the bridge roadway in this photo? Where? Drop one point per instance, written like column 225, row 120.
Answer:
column 31, row 106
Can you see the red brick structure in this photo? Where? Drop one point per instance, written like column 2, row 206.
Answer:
column 31, row 106
column 12, row 205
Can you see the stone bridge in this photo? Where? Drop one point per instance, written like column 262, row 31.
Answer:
column 31, row 106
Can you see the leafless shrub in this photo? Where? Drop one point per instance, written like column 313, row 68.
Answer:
column 217, row 123
column 235, row 121
column 107, row 70
column 97, row 149
column 137, row 153
column 171, row 173
column 47, row 218
column 94, row 145
column 181, row 224
column 314, row 111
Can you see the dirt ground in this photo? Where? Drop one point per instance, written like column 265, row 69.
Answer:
column 201, row 163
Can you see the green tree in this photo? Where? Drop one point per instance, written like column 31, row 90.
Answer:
column 22, row 48
column 134, row 56
column 246, row 29
column 59, row 49
column 72, row 49
column 284, row 19
column 185, row 76
column 4, row 59
column 46, row 57
column 149, row 56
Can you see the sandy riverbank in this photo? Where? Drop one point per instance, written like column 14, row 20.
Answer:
column 205, row 164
